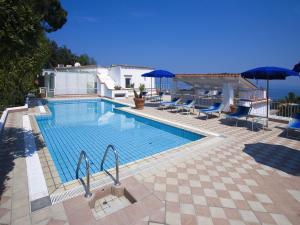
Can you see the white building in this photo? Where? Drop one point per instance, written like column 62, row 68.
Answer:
column 112, row 82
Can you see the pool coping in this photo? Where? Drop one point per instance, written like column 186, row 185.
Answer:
column 62, row 191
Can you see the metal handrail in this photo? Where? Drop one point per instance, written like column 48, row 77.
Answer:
column 86, row 186
column 116, row 180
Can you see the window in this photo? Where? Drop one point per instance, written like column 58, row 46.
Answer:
column 51, row 82
column 127, row 82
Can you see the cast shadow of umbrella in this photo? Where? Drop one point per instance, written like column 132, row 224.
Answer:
column 276, row 156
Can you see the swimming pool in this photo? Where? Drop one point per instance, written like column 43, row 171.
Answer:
column 91, row 125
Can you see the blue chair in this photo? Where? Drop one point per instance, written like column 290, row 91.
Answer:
column 169, row 104
column 187, row 106
column 241, row 112
column 215, row 108
column 294, row 124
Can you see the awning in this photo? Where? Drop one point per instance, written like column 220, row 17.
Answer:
column 215, row 81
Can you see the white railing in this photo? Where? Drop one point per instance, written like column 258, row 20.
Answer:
column 67, row 91
column 283, row 109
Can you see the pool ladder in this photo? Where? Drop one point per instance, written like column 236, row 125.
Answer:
column 86, row 185
column 115, row 179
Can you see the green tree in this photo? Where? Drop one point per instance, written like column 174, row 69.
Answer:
column 84, row 59
column 297, row 67
column 24, row 47
column 291, row 97
column 21, row 73
column 63, row 55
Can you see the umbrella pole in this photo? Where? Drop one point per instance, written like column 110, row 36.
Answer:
column 160, row 89
column 151, row 86
column 267, row 122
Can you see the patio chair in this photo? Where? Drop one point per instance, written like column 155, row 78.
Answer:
column 156, row 98
column 217, row 95
column 294, row 124
column 241, row 112
column 169, row 104
column 215, row 108
column 204, row 94
column 187, row 106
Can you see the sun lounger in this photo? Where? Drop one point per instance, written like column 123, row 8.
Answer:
column 294, row 124
column 187, row 106
column 169, row 104
column 215, row 108
column 156, row 98
column 241, row 112
column 217, row 95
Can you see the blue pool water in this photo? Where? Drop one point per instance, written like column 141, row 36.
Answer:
column 91, row 125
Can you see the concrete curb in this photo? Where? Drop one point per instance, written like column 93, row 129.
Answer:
column 11, row 109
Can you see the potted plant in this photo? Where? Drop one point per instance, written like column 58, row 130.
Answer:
column 233, row 108
column 139, row 101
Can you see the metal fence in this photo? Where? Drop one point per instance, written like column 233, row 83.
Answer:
column 49, row 93
column 284, row 109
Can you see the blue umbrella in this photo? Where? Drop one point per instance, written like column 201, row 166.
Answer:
column 158, row 74
column 268, row 73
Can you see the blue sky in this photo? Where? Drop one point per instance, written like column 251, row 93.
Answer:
column 191, row 36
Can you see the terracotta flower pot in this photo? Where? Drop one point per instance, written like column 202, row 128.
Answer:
column 139, row 103
column 233, row 108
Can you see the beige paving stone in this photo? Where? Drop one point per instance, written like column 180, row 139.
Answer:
column 5, row 216
column 263, row 172
column 199, row 200
column 295, row 194
column 195, row 183
column 250, row 182
column 172, row 197
column 263, row 198
column 236, row 195
column 256, row 206
column 228, row 203
column 236, row 222
column 243, row 188
column 219, row 186
column 205, row 178
column 183, row 176
column 184, row 190
column 187, row 209
column 217, row 212
column 280, row 219
column 22, row 221
column 202, row 220
column 227, row 180
column 191, row 171
column 159, row 187
column 172, row 181
column 248, row 216
column 173, row 218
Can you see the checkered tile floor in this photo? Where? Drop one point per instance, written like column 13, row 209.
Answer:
column 252, row 178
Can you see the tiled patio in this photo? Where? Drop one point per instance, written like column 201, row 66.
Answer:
column 250, row 177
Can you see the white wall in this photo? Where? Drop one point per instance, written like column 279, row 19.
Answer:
column 114, row 72
column 228, row 96
column 103, row 70
column 79, row 81
column 136, row 77
column 73, row 82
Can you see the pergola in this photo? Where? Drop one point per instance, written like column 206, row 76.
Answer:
column 227, row 82
column 215, row 80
